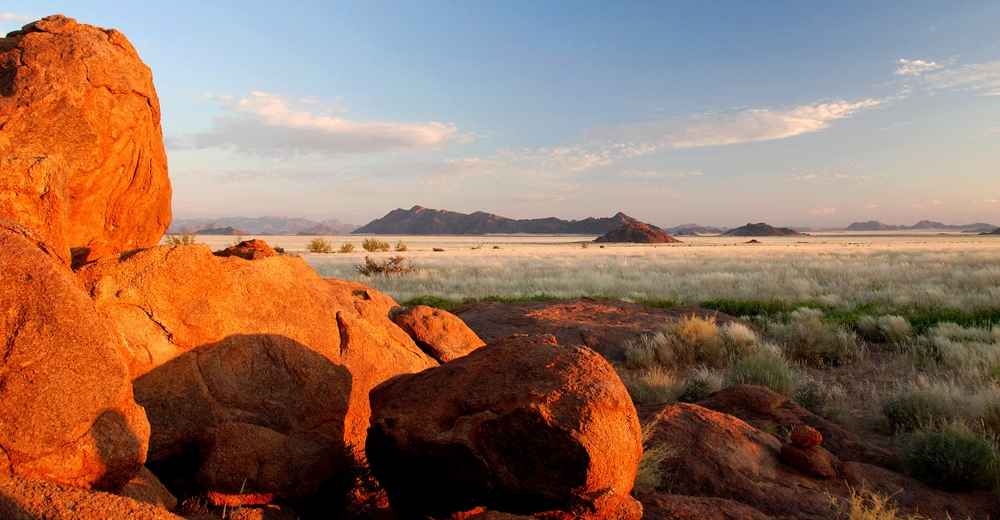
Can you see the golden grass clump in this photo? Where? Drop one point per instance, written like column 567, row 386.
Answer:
column 650, row 475
column 867, row 505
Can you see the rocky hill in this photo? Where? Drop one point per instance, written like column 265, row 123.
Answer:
column 637, row 232
column 419, row 220
column 263, row 226
column 694, row 229
column 871, row 225
column 874, row 225
column 761, row 229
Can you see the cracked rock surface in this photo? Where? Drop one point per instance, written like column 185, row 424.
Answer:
column 81, row 149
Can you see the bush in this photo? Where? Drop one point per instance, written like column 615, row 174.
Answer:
column 916, row 409
column 952, row 457
column 690, row 340
column 812, row 397
column 184, row 239
column 346, row 247
column 400, row 246
column 894, row 330
column 807, row 338
column 695, row 389
column 649, row 475
column 653, row 386
column 319, row 245
column 866, row 505
column 374, row 245
column 393, row 265
column 639, row 353
column 766, row 370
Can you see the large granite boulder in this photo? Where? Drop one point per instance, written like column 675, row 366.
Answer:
column 66, row 409
column 441, row 334
column 31, row 499
column 80, row 139
column 522, row 425
column 213, row 341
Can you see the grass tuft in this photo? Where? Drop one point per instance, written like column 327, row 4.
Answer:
column 953, row 457
column 649, row 475
column 765, row 370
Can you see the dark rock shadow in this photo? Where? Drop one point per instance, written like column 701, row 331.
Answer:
column 265, row 380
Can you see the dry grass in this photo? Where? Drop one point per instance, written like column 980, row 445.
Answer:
column 867, row 505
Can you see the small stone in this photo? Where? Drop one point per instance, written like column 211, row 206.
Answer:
column 806, row 436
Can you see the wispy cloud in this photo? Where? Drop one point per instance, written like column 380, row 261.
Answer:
column 14, row 17
column 654, row 174
column 976, row 76
column 267, row 123
column 721, row 129
column 823, row 211
column 915, row 67
column 986, row 201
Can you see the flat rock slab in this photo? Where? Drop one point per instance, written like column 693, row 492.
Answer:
column 602, row 325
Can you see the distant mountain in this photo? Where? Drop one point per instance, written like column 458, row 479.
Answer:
column 419, row 220
column 637, row 232
column 874, row 225
column 761, row 229
column 227, row 231
column 262, row 225
column 871, row 225
column 694, row 229
column 994, row 232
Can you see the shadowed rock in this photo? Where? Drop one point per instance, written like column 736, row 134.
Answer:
column 637, row 232
column 522, row 425
column 80, row 139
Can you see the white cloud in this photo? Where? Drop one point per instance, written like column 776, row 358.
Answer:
column 977, row 76
column 269, row 123
column 935, row 202
column 915, row 67
column 823, row 211
column 208, row 96
column 872, row 206
column 653, row 174
column 986, row 201
column 14, row 17
column 720, row 129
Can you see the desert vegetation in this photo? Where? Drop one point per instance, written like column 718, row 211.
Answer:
column 320, row 245
column 374, row 245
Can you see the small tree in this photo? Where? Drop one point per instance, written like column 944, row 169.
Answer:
column 400, row 246
column 346, row 247
column 320, row 245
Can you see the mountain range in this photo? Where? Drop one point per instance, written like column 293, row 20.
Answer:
column 874, row 225
column 261, row 226
column 419, row 220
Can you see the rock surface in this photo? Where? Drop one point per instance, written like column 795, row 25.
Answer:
column 440, row 334
column 83, row 157
column 657, row 506
column 522, row 425
column 813, row 461
column 637, row 232
column 759, row 406
column 419, row 220
column 145, row 487
column 603, row 325
column 248, row 250
column 30, row 499
column 806, row 436
column 66, row 409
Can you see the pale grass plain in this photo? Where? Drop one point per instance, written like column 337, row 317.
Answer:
column 951, row 270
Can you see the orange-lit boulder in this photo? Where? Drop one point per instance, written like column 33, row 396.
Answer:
column 66, row 409
column 248, row 250
column 83, row 157
column 522, row 425
column 265, row 342
column 441, row 334
column 31, row 499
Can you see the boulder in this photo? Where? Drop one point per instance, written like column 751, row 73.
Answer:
column 441, row 334
column 522, row 425
column 759, row 405
column 637, row 232
column 31, row 499
column 67, row 414
column 603, row 325
column 214, row 340
column 658, row 506
column 813, row 461
column 145, row 487
column 248, row 250
column 718, row 455
column 805, row 437
column 83, row 157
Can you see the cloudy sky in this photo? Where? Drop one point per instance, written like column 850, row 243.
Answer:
column 720, row 113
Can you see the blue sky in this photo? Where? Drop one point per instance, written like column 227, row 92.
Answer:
column 721, row 113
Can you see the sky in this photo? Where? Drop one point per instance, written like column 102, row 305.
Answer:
column 717, row 113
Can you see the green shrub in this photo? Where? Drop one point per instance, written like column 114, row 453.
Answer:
column 916, row 409
column 374, row 245
column 766, row 370
column 346, row 247
column 807, row 338
column 319, row 245
column 695, row 389
column 952, row 457
column 432, row 301
column 811, row 396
